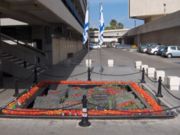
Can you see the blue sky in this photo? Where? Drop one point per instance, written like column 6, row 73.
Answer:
column 113, row 9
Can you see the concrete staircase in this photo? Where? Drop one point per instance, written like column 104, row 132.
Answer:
column 21, row 63
column 18, row 60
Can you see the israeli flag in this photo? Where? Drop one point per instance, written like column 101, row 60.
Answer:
column 101, row 26
column 86, row 27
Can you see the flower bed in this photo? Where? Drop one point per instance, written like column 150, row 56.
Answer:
column 14, row 108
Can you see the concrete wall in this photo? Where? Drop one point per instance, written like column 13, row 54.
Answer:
column 44, row 33
column 62, row 46
column 111, row 33
column 145, row 8
column 167, row 36
column 165, row 30
column 166, row 22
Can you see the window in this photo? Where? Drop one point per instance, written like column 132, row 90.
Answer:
column 178, row 48
column 173, row 48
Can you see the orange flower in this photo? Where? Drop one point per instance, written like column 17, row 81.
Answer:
column 37, row 112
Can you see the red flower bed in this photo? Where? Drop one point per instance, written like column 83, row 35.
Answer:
column 12, row 110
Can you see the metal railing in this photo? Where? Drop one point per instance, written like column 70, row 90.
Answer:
column 19, row 43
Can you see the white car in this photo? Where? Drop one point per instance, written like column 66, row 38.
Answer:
column 94, row 46
column 103, row 46
column 171, row 51
column 153, row 49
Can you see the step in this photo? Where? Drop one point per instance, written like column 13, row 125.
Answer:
column 41, row 71
column 4, row 54
column 19, row 62
column 15, row 59
column 30, row 67
column 8, row 57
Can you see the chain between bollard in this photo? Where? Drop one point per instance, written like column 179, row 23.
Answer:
column 116, row 74
column 153, row 81
column 168, row 91
column 59, row 76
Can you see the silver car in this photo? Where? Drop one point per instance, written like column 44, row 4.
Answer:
column 171, row 51
column 153, row 49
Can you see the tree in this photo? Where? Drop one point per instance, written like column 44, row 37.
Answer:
column 120, row 25
column 114, row 25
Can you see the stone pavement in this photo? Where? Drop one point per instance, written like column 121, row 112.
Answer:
column 98, row 127
column 124, row 64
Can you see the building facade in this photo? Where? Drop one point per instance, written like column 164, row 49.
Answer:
column 110, row 36
column 161, row 19
column 54, row 27
column 149, row 10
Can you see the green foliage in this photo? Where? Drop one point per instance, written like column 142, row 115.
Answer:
column 114, row 25
column 93, row 29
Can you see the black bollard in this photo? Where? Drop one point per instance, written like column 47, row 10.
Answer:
column 35, row 76
column 159, row 93
column 89, row 74
column 67, row 94
column 16, row 88
column 25, row 64
column 143, row 76
column 84, row 121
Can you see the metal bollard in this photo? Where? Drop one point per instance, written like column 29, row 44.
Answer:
column 89, row 74
column 16, row 88
column 67, row 94
column 143, row 76
column 159, row 93
column 84, row 121
column 35, row 76
column 25, row 64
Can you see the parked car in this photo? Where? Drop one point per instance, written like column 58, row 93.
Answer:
column 123, row 46
column 171, row 51
column 144, row 47
column 153, row 49
column 94, row 46
column 161, row 49
column 104, row 46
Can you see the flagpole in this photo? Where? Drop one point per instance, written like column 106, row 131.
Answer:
column 101, row 67
column 89, row 69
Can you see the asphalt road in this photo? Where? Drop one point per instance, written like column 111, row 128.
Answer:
column 102, row 127
column 126, row 58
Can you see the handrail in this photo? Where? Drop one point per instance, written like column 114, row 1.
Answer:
column 22, row 45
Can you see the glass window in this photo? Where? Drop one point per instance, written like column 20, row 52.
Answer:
column 178, row 47
column 173, row 48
